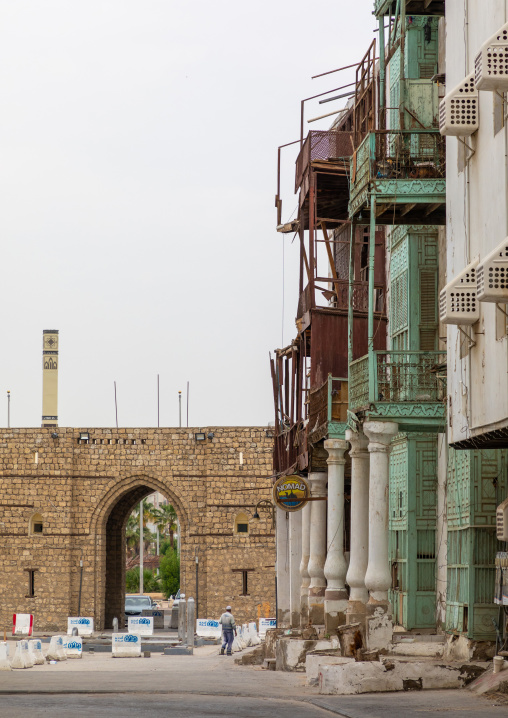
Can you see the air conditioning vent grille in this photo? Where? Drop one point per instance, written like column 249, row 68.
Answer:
column 491, row 63
column 459, row 109
column 458, row 301
column 492, row 275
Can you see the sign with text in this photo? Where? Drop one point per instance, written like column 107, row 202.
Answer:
column 126, row 645
column 142, row 625
column 208, row 627
column 265, row 624
column 291, row 493
column 83, row 624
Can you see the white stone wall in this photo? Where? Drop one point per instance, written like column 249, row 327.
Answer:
column 477, row 221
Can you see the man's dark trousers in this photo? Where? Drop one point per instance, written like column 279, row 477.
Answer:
column 228, row 636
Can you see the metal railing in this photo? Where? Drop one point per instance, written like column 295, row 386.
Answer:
column 399, row 154
column 397, row 377
column 328, row 146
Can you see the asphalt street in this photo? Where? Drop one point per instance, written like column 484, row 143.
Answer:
column 207, row 685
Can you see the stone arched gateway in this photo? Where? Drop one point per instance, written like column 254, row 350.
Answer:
column 108, row 526
column 84, row 483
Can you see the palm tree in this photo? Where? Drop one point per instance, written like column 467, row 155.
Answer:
column 132, row 529
column 132, row 534
column 166, row 518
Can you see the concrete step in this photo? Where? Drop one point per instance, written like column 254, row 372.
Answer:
column 269, row 664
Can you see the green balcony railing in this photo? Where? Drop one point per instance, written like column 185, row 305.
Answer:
column 397, row 377
column 400, row 162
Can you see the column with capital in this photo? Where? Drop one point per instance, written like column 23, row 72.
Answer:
column 295, row 557
column 317, row 542
column 359, row 539
column 304, row 566
column 283, row 575
column 378, row 576
column 336, row 596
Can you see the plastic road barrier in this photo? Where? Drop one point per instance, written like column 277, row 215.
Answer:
column 142, row 625
column 126, row 645
column 4, row 656
column 265, row 624
column 22, row 624
column 56, row 651
column 35, row 648
column 73, row 646
column 83, row 624
column 208, row 628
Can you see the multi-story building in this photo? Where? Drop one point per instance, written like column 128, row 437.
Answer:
column 407, row 534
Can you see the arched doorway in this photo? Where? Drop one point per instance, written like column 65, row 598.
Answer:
column 111, row 543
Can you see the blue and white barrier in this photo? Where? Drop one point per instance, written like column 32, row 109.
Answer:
column 22, row 624
column 126, row 645
column 73, row 646
column 142, row 625
column 208, row 628
column 157, row 614
column 265, row 624
column 84, row 625
column 4, row 656
column 56, row 651
column 35, row 648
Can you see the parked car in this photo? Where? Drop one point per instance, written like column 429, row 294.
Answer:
column 135, row 605
column 176, row 598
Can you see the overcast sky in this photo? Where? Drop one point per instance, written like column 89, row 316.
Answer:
column 138, row 145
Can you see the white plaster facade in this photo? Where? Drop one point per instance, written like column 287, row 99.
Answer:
column 477, row 222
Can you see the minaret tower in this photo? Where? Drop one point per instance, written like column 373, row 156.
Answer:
column 50, row 377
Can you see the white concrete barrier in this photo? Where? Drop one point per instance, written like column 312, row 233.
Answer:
column 56, row 651
column 246, row 634
column 4, row 656
column 73, row 646
column 253, row 633
column 142, row 625
column 126, row 645
column 265, row 624
column 208, row 628
column 158, row 616
column 35, row 648
column 22, row 624
column 83, row 624
column 22, row 657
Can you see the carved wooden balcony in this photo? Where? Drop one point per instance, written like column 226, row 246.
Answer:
column 408, row 387
column 405, row 170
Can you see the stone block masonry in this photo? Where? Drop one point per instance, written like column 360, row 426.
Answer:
column 83, row 484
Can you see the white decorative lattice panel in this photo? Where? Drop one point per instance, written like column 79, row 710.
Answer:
column 491, row 63
column 458, row 303
column 492, row 275
column 459, row 109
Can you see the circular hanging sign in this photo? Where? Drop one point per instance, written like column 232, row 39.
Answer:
column 291, row 493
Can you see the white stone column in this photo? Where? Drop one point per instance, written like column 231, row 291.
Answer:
column 282, row 554
column 359, row 540
column 295, row 558
column 336, row 596
column 441, row 530
column 304, row 566
column 378, row 576
column 317, row 557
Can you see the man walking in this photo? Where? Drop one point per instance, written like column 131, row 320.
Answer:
column 228, row 624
